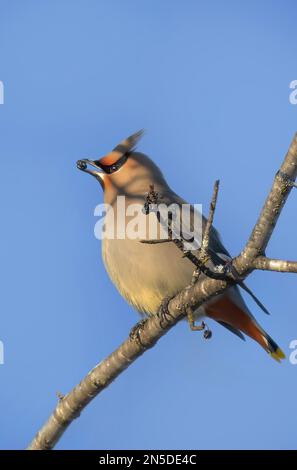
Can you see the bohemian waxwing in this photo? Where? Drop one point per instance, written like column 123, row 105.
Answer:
column 146, row 274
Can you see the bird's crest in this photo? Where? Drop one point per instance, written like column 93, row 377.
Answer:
column 125, row 147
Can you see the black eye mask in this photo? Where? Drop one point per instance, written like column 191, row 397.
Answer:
column 115, row 166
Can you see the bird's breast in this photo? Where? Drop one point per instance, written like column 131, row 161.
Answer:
column 145, row 274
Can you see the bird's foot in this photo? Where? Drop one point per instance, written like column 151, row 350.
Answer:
column 135, row 332
column 202, row 327
column 163, row 313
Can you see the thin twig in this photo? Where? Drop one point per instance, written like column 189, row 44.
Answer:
column 208, row 226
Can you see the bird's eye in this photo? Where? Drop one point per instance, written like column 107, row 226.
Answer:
column 114, row 166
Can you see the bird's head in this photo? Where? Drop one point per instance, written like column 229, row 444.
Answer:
column 124, row 171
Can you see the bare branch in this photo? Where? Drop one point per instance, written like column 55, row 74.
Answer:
column 273, row 206
column 69, row 406
column 206, row 235
column 278, row 265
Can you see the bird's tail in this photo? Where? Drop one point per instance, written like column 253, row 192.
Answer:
column 272, row 348
column 227, row 311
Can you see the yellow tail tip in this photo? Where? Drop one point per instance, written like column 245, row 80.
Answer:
column 278, row 355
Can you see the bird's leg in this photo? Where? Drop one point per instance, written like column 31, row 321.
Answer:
column 202, row 327
column 191, row 321
column 134, row 334
column 163, row 312
column 195, row 276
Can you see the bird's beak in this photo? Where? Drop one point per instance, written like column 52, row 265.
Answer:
column 83, row 166
column 112, row 161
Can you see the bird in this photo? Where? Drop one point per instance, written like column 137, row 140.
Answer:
column 146, row 274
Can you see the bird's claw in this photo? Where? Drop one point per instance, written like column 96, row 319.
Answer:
column 207, row 334
column 163, row 313
column 134, row 334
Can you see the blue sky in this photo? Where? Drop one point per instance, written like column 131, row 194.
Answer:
column 209, row 81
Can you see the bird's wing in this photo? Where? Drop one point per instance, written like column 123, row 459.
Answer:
column 218, row 253
column 216, row 245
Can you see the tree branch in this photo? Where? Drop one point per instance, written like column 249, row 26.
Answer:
column 282, row 186
column 252, row 257
column 278, row 265
column 206, row 235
